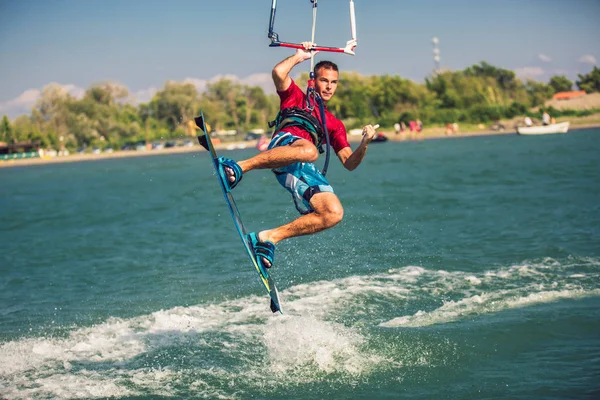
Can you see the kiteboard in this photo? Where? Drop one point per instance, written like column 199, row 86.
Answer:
column 266, row 279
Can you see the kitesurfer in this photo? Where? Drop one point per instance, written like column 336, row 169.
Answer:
column 294, row 149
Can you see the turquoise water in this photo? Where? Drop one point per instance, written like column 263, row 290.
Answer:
column 464, row 268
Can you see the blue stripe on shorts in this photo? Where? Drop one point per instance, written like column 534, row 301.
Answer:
column 302, row 180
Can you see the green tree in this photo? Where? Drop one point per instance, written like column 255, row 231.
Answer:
column 505, row 78
column 257, row 106
column 560, row 83
column 107, row 93
column 175, row 104
column 590, row 82
column 52, row 102
column 104, row 115
column 229, row 95
column 27, row 131
column 352, row 97
column 538, row 92
column 6, row 131
column 51, row 114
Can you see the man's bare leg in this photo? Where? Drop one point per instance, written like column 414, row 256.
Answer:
column 300, row 151
column 328, row 213
column 328, row 210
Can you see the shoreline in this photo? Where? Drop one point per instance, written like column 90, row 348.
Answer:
column 427, row 134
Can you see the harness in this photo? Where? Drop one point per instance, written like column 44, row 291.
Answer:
column 295, row 116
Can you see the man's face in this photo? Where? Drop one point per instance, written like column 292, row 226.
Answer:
column 326, row 81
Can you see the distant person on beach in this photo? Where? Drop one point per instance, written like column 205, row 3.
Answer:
column 455, row 128
column 402, row 130
column 292, row 152
column 397, row 128
column 449, row 130
column 263, row 143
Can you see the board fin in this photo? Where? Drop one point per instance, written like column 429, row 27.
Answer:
column 202, row 137
column 274, row 308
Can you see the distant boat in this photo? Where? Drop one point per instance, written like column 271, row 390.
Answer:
column 563, row 127
column 380, row 138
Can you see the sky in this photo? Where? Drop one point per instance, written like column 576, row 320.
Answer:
column 142, row 44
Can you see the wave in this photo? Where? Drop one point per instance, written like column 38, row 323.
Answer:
column 330, row 329
column 538, row 282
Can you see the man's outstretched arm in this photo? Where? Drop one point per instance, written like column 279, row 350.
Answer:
column 281, row 72
column 352, row 159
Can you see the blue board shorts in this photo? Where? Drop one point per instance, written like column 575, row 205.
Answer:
column 303, row 180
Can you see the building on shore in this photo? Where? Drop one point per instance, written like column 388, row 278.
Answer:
column 19, row 150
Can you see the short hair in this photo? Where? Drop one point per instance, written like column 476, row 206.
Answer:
column 326, row 65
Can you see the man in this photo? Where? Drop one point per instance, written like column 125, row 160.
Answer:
column 291, row 154
column 545, row 118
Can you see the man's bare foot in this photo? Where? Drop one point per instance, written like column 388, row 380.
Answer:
column 230, row 174
column 265, row 262
column 231, row 171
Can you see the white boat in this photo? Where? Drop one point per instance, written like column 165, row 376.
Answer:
column 563, row 127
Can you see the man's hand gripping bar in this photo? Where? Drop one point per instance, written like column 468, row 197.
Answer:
column 348, row 49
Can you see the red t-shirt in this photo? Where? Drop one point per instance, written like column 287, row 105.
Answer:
column 295, row 97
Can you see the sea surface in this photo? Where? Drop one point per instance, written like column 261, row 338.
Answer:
column 464, row 268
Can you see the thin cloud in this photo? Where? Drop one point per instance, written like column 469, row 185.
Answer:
column 529, row 72
column 200, row 84
column 588, row 59
column 25, row 99
column 265, row 81
column 23, row 103
column 544, row 58
column 73, row 90
column 142, row 96
column 561, row 72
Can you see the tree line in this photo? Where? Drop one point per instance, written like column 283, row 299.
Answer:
column 104, row 117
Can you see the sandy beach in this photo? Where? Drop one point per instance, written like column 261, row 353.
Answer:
column 429, row 133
